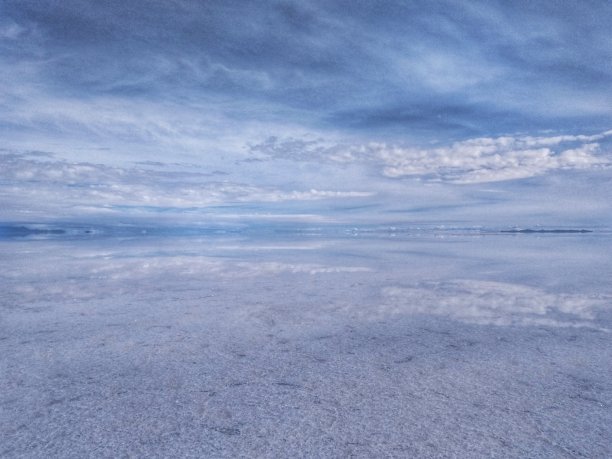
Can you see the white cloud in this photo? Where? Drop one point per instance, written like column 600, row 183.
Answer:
column 479, row 160
column 38, row 184
column 491, row 159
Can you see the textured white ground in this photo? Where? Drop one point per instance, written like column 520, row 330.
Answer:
column 460, row 346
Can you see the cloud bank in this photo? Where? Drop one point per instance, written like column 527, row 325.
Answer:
column 492, row 159
column 39, row 184
column 478, row 160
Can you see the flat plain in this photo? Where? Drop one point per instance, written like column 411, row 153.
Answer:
column 447, row 344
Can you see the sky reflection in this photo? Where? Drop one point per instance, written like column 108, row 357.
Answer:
column 494, row 303
column 455, row 275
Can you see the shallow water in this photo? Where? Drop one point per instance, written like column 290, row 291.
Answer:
column 430, row 342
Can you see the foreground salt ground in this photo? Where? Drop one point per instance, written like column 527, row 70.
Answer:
column 459, row 346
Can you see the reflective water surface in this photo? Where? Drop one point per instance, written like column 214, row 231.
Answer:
column 364, row 344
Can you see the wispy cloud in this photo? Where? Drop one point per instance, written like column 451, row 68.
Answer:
column 356, row 100
column 34, row 183
column 419, row 69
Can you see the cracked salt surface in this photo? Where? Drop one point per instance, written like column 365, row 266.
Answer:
column 200, row 347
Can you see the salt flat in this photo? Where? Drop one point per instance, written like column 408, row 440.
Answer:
column 394, row 345
column 286, row 229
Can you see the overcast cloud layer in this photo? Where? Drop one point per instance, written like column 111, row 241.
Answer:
column 469, row 111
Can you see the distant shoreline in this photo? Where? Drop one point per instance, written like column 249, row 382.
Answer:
column 557, row 231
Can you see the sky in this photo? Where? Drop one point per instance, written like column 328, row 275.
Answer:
column 473, row 113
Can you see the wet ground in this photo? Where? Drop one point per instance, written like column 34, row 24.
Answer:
column 394, row 344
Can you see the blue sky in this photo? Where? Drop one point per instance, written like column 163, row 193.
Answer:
column 480, row 112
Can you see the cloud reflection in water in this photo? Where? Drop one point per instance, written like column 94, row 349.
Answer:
column 493, row 303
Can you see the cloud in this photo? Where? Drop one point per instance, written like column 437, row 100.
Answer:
column 43, row 185
column 487, row 160
column 493, row 303
column 10, row 31
column 387, row 88
column 418, row 69
column 478, row 160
